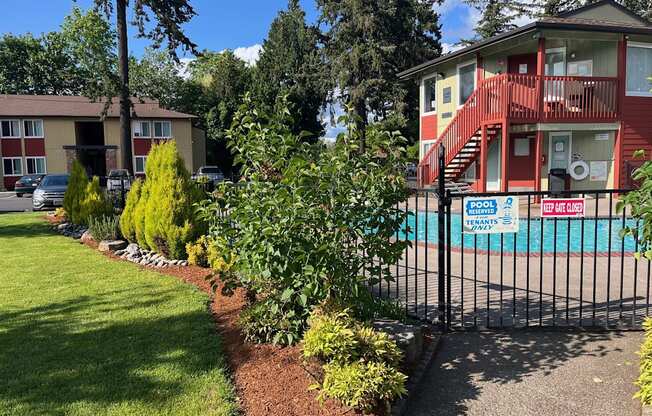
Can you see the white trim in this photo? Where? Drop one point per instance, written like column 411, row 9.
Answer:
column 139, row 123
column 33, row 120
column 154, row 136
column 45, row 165
column 570, row 146
column 422, row 95
column 459, row 84
column 636, row 93
column 19, row 128
column 144, row 157
column 4, row 172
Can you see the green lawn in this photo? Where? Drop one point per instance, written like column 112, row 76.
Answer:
column 83, row 335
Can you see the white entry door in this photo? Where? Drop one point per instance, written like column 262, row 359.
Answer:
column 493, row 165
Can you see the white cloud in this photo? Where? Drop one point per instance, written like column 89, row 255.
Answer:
column 450, row 47
column 249, row 54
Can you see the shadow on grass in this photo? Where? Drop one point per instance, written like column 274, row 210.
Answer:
column 24, row 225
column 71, row 352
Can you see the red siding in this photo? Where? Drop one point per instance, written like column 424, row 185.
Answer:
column 10, row 181
column 11, row 147
column 429, row 127
column 521, row 172
column 142, row 146
column 637, row 130
column 34, row 147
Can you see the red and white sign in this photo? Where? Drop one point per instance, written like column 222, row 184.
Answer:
column 563, row 207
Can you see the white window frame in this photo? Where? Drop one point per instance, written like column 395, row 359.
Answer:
column 459, row 84
column 423, row 95
column 636, row 93
column 154, row 136
column 33, row 120
column 4, row 172
column 45, row 165
column 555, row 50
column 19, row 128
column 570, row 146
column 139, row 123
column 144, row 164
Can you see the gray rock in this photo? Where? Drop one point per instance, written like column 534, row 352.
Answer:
column 113, row 245
column 120, row 253
column 133, row 249
column 63, row 226
column 408, row 337
column 183, row 263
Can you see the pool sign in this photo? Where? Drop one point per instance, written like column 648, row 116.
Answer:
column 563, row 207
column 491, row 215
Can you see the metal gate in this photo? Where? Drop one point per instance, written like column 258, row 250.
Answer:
column 553, row 272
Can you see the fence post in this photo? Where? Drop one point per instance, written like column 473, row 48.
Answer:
column 441, row 219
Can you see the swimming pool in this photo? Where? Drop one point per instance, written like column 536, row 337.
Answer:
column 564, row 238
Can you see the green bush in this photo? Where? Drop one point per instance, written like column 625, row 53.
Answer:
column 198, row 252
column 168, row 209
column 72, row 200
column 94, row 202
column 644, row 381
column 105, row 227
column 330, row 337
column 139, row 215
column 128, row 218
column 266, row 322
column 362, row 385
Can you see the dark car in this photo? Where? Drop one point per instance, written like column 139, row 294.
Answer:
column 27, row 184
column 50, row 192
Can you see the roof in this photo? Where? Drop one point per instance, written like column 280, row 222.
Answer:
column 76, row 106
column 565, row 21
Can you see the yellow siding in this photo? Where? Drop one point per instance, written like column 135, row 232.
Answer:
column 58, row 132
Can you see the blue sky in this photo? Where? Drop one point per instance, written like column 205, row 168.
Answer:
column 219, row 24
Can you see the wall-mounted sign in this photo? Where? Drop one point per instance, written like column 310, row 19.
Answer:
column 599, row 137
column 522, row 68
column 563, row 207
column 491, row 215
column 598, row 170
column 447, row 95
column 447, row 115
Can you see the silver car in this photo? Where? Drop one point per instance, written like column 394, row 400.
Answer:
column 50, row 192
column 213, row 173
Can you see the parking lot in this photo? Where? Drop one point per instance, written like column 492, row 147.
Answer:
column 10, row 203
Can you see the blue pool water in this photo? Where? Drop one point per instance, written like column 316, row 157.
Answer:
column 562, row 241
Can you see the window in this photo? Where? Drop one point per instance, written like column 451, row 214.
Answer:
column 33, row 128
column 556, row 62
column 522, row 147
column 162, row 129
column 139, row 164
column 580, row 68
column 639, row 69
column 9, row 128
column 12, row 166
column 426, row 148
column 35, row 165
column 430, row 95
column 466, row 80
column 141, row 129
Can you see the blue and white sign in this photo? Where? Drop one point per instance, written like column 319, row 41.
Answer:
column 491, row 215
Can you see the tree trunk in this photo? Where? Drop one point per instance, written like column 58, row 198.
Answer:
column 361, row 112
column 125, row 101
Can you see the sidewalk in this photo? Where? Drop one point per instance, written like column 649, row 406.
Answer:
column 532, row 373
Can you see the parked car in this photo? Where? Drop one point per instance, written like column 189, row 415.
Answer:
column 213, row 173
column 116, row 178
column 27, row 184
column 410, row 169
column 50, row 192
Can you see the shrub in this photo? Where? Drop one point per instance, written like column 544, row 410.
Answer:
column 106, row 227
column 266, row 322
column 139, row 215
column 198, row 252
column 644, row 381
column 362, row 385
column 60, row 213
column 377, row 346
column 72, row 200
column 128, row 218
column 168, row 210
column 94, row 202
column 330, row 338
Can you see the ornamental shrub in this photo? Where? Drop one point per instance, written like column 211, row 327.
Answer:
column 94, row 202
column 128, row 218
column 139, row 215
column 644, row 381
column 330, row 337
column 198, row 252
column 106, row 227
column 73, row 197
column 362, row 385
column 168, row 210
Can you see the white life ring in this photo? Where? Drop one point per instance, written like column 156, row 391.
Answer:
column 584, row 170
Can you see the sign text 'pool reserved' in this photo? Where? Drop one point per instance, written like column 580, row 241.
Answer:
column 491, row 215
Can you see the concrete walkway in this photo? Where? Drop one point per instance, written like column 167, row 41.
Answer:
column 531, row 373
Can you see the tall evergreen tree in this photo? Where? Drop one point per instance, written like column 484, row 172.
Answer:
column 291, row 64
column 368, row 42
column 498, row 16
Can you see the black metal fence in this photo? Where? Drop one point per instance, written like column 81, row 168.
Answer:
column 555, row 271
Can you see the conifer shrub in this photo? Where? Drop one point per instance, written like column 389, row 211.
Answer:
column 139, row 215
column 128, row 218
column 94, row 202
column 74, row 195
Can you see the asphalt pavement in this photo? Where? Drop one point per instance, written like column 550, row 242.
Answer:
column 9, row 202
column 522, row 373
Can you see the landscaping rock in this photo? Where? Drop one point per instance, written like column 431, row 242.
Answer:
column 111, row 245
column 86, row 237
column 408, row 337
column 133, row 249
column 63, row 226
